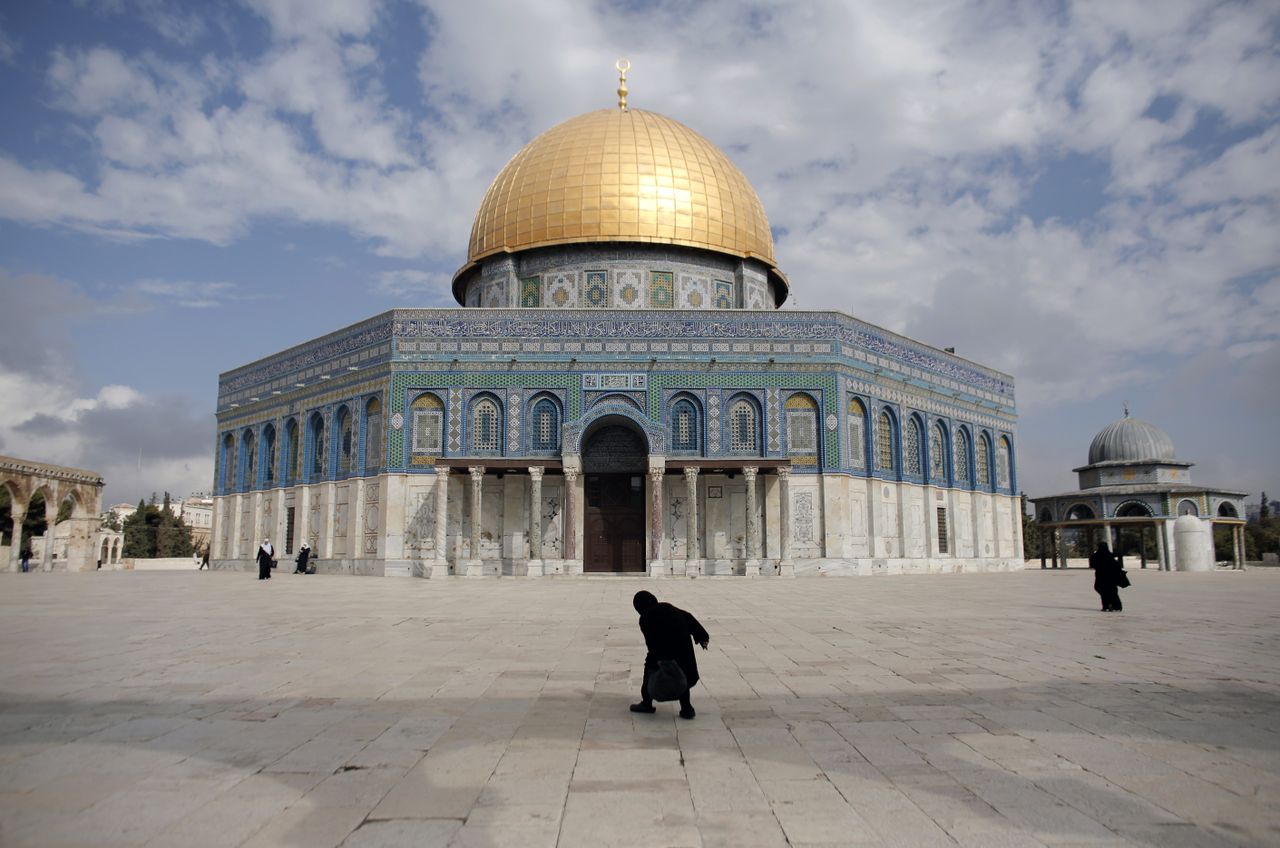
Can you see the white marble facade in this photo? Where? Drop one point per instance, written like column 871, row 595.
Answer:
column 838, row 524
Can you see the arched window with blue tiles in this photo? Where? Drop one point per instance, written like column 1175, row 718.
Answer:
column 884, row 442
column 684, row 426
column 962, row 476
column 744, row 426
column 937, row 454
column 269, row 456
column 857, row 423
column 427, row 423
column 982, row 459
column 345, row 430
column 319, row 448
column 292, row 452
column 248, row 460
column 545, row 430
column 911, row 448
column 1004, row 462
column 373, row 434
column 227, row 463
column 486, row 426
column 802, row 425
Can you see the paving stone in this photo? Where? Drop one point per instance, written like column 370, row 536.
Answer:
column 897, row 712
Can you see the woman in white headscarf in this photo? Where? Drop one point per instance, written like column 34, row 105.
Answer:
column 266, row 553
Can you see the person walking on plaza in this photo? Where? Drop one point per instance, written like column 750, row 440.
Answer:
column 669, row 634
column 1108, row 576
column 204, row 559
column 304, row 554
column 266, row 553
column 26, row 560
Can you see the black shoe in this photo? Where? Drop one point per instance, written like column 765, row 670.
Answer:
column 689, row 713
column 643, row 707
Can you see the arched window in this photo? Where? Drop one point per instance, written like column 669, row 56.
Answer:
column 345, row 430
column 857, row 420
column 546, row 426
column 983, row 460
column 1004, row 461
column 911, row 448
column 1187, row 507
column 319, row 448
column 485, row 426
column 884, row 442
column 293, row 452
column 962, row 459
column 1227, row 510
column 269, row 456
column 249, row 460
column 937, row 455
column 684, row 426
column 427, row 413
column 744, row 427
column 373, row 435
column 1078, row 512
column 228, row 462
column 802, row 425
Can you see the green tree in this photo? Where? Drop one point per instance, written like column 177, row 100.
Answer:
column 1265, row 512
column 153, row 531
column 111, row 521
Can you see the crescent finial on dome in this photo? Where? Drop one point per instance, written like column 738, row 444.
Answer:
column 623, row 65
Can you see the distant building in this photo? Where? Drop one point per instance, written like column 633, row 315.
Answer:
column 32, row 486
column 1140, row 498
column 197, row 512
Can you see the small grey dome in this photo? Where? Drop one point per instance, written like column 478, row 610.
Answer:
column 1130, row 440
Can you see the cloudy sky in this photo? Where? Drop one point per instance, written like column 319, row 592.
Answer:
column 1085, row 195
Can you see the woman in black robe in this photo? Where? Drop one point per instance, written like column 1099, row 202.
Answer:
column 304, row 554
column 266, row 553
column 1106, row 577
column 669, row 634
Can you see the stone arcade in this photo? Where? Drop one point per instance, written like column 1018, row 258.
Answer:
column 620, row 393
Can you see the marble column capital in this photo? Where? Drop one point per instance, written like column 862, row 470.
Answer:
column 536, row 472
column 691, row 472
column 476, row 472
column 749, row 473
column 571, row 474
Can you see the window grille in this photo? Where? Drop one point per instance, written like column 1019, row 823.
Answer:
column 942, row 530
column 484, row 426
column 250, row 462
column 427, row 430
column 346, row 443
column 269, row 467
column 372, row 438
column 983, row 461
column 684, row 427
column 937, row 455
column 293, row 448
column 802, row 424
column 545, row 426
column 742, row 427
column 857, row 435
column 911, row 455
column 962, row 458
column 319, row 451
column 1002, row 464
column 884, row 443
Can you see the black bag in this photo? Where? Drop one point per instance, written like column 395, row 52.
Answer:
column 1122, row 580
column 311, row 569
column 667, row 683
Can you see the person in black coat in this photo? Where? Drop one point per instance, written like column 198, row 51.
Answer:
column 304, row 554
column 1106, row 577
column 266, row 553
column 668, row 631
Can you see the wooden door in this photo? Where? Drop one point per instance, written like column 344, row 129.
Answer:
column 614, row 523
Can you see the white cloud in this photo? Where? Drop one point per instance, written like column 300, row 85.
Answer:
column 412, row 282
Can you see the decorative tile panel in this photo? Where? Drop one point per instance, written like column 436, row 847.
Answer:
column 455, row 421
column 774, row 437
column 661, row 290
column 562, row 290
column 713, row 422
column 515, row 414
column 692, row 292
column 531, row 292
column 724, row 295
column 596, row 289
column 628, row 290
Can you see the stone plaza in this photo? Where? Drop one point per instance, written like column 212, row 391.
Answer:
column 208, row 709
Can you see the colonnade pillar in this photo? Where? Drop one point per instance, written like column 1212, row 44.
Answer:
column 1162, row 555
column 691, row 546
column 786, row 566
column 1237, row 545
column 15, row 536
column 440, row 565
column 475, row 567
column 751, row 568
column 534, row 567
column 657, row 474
column 572, row 563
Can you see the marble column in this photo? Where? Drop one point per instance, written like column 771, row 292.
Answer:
column 571, row 521
column 1162, row 556
column 303, row 518
column 1237, row 547
column 692, row 546
column 236, row 518
column 15, row 536
column 330, row 512
column 50, row 517
column 657, row 566
column 1107, row 537
column 475, row 567
column 786, row 566
column 751, row 567
column 534, row 567
column 440, row 565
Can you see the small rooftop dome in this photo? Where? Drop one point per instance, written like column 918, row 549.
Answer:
column 1130, row 440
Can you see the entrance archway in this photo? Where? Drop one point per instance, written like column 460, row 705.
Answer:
column 614, row 460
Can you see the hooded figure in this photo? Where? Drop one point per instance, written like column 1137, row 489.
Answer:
column 669, row 634
column 266, row 553
column 1106, row 577
column 304, row 554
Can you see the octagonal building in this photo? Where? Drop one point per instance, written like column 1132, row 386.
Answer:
column 619, row 392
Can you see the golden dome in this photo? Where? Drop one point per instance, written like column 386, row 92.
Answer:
column 621, row 176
